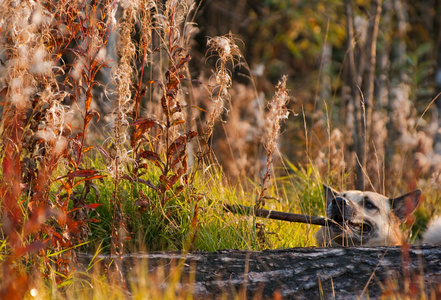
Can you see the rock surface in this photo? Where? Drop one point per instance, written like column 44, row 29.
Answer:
column 299, row 273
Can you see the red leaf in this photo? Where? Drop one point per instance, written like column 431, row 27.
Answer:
column 142, row 203
column 177, row 122
column 176, row 50
column 87, row 179
column 191, row 135
column 180, row 143
column 179, row 189
column 67, row 186
column 141, row 126
column 181, row 158
column 183, row 61
column 57, row 235
column 90, row 115
column 80, row 173
column 87, row 149
column 92, row 205
column 172, row 180
column 153, row 157
column 146, row 122
column 88, row 99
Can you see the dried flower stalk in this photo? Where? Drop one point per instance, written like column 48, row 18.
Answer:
column 277, row 113
column 227, row 50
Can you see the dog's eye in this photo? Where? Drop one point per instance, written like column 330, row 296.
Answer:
column 368, row 204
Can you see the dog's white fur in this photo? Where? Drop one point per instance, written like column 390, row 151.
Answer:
column 370, row 219
column 433, row 233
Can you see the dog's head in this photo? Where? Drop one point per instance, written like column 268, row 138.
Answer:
column 365, row 218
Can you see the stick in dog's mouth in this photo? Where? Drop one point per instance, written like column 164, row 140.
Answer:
column 278, row 215
column 340, row 223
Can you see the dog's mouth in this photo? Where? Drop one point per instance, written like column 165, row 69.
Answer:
column 342, row 224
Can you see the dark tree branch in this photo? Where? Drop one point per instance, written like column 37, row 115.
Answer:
column 276, row 215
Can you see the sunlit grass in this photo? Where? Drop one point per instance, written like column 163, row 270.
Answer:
column 154, row 226
column 132, row 183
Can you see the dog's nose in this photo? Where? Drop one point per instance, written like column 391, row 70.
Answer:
column 340, row 201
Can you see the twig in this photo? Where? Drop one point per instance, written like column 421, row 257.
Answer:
column 277, row 215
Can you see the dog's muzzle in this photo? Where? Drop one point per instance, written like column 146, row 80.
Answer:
column 339, row 209
column 344, row 215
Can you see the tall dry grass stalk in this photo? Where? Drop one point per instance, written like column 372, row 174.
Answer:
column 171, row 28
column 122, row 76
column 227, row 51
column 277, row 113
column 225, row 47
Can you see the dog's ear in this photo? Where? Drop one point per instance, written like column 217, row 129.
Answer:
column 404, row 205
column 330, row 193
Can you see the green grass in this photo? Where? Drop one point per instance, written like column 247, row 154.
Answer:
column 172, row 226
column 160, row 227
column 169, row 226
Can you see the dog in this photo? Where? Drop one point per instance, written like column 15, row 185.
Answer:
column 369, row 219
column 433, row 233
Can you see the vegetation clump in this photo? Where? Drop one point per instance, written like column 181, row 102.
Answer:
column 114, row 139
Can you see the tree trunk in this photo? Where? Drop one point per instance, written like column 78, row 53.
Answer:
column 437, row 142
column 299, row 273
column 353, row 81
column 369, row 76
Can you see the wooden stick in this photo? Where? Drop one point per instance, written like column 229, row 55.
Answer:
column 277, row 215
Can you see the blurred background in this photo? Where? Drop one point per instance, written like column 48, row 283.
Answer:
column 364, row 77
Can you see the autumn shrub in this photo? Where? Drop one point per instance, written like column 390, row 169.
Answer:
column 57, row 170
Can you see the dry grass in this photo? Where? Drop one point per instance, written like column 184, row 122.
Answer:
column 104, row 133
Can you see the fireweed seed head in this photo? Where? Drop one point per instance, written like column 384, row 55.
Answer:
column 225, row 47
column 277, row 113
